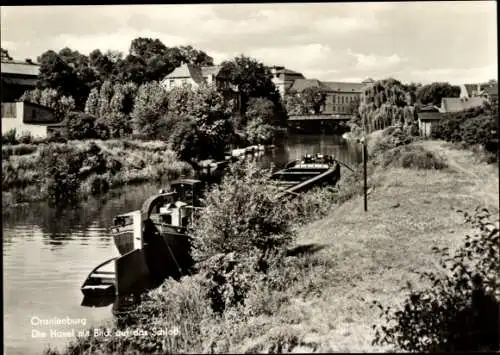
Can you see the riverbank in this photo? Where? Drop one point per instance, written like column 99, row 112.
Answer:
column 99, row 166
column 342, row 262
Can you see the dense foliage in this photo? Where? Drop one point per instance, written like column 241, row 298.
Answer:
column 49, row 97
column 459, row 311
column 74, row 74
column 478, row 126
column 251, row 78
column 387, row 103
column 310, row 101
column 260, row 117
column 433, row 93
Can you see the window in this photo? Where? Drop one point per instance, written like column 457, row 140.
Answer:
column 172, row 82
column 184, row 81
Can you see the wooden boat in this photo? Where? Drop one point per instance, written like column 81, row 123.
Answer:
column 303, row 174
column 101, row 282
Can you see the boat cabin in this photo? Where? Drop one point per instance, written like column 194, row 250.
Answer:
column 188, row 191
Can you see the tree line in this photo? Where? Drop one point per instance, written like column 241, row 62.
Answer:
column 110, row 95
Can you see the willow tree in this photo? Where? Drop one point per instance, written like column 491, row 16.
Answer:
column 387, row 103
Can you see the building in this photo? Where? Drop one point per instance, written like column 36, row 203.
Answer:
column 27, row 117
column 487, row 90
column 427, row 117
column 284, row 79
column 189, row 75
column 341, row 97
column 16, row 78
column 457, row 104
column 192, row 76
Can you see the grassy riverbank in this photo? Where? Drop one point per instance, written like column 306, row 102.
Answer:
column 319, row 298
column 29, row 169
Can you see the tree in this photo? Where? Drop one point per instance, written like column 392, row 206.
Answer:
column 149, row 110
column 433, row 93
column 259, row 118
column 56, row 74
column 252, row 79
column 383, row 105
column 314, row 99
column 61, row 105
column 213, row 126
column 4, row 54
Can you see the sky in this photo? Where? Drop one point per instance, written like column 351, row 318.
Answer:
column 422, row 42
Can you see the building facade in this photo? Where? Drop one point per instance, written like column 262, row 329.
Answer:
column 284, row 79
column 192, row 76
column 341, row 98
column 29, row 118
column 16, row 78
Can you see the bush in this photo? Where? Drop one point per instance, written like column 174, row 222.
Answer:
column 62, row 167
column 412, row 157
column 243, row 214
column 389, row 138
column 80, row 126
column 9, row 137
column 459, row 311
column 19, row 149
column 474, row 126
column 26, row 138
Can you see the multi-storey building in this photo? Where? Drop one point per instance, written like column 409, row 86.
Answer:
column 341, row 98
column 284, row 78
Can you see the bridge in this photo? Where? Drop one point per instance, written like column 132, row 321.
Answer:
column 333, row 117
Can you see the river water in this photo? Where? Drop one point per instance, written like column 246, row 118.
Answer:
column 48, row 254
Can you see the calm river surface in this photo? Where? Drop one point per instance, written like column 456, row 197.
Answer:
column 47, row 255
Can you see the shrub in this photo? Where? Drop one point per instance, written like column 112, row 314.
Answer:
column 459, row 311
column 243, row 213
column 389, row 138
column 9, row 137
column 413, row 157
column 62, row 167
column 80, row 125
column 19, row 149
column 26, row 138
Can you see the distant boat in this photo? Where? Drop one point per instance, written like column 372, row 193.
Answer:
column 303, row 174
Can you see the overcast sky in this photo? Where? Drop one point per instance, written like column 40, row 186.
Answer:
column 414, row 41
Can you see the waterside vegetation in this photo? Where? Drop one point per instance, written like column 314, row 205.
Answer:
column 63, row 173
column 308, row 278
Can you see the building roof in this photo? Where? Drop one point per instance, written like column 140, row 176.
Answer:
column 20, row 81
column 490, row 89
column 456, row 104
column 195, row 72
column 430, row 116
column 471, row 88
column 300, row 85
column 212, row 70
column 342, row 86
column 20, row 68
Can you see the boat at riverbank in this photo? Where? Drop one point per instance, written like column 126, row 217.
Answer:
column 152, row 242
column 303, row 174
